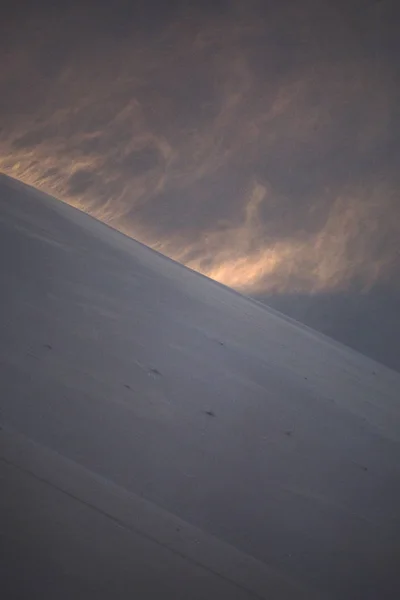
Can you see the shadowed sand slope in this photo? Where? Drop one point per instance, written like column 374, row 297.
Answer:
column 163, row 434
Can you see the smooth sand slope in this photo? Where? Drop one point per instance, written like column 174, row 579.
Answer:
column 164, row 436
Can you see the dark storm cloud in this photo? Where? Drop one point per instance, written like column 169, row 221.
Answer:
column 256, row 142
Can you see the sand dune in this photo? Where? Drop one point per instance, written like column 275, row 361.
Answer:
column 162, row 434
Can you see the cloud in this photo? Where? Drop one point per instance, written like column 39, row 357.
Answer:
column 258, row 147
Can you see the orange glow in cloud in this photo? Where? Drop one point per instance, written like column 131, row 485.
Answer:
column 196, row 149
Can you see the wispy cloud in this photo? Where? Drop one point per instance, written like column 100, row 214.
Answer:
column 256, row 147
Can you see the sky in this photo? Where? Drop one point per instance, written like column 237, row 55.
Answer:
column 257, row 142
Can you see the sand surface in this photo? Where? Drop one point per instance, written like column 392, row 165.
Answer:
column 236, row 453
